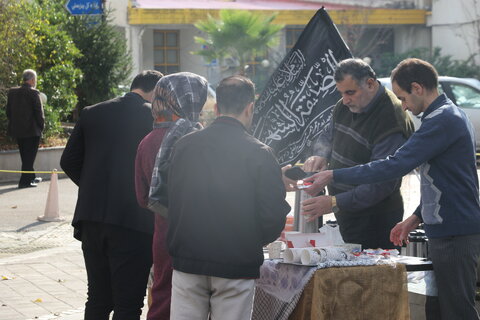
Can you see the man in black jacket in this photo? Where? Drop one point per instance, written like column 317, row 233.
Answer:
column 25, row 123
column 226, row 200
column 116, row 233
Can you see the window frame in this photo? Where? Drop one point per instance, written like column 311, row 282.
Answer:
column 163, row 67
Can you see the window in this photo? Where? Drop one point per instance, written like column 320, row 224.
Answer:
column 292, row 35
column 166, row 54
column 465, row 96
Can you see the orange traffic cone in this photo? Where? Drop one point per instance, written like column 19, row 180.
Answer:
column 52, row 211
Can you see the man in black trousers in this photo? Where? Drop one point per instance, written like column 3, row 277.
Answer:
column 25, row 123
column 116, row 233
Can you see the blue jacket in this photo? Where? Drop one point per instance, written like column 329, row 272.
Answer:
column 444, row 149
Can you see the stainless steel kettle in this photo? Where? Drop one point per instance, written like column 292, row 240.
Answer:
column 418, row 244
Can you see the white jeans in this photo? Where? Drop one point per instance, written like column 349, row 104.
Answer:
column 196, row 296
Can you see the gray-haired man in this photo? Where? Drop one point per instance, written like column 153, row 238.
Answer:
column 368, row 123
column 25, row 123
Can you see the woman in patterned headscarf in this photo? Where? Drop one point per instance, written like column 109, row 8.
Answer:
column 177, row 103
column 180, row 95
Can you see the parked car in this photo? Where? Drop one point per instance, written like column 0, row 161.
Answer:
column 464, row 92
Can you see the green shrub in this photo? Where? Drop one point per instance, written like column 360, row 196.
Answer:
column 105, row 61
column 31, row 36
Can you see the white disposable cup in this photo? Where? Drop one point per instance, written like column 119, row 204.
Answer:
column 310, row 256
column 333, row 254
column 275, row 249
column 292, row 255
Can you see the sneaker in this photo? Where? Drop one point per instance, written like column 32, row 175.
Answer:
column 37, row 180
column 30, row 185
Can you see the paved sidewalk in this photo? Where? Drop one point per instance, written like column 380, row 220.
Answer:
column 47, row 284
column 42, row 274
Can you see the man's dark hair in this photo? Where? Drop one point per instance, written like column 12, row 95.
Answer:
column 234, row 94
column 414, row 70
column 357, row 68
column 146, row 80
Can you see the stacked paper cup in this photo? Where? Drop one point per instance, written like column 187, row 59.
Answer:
column 333, row 254
column 275, row 249
column 312, row 256
column 292, row 255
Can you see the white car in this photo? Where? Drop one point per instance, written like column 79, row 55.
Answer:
column 464, row 92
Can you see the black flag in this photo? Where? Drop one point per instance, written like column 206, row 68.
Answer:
column 299, row 97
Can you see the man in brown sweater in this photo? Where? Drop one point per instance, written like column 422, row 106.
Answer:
column 368, row 123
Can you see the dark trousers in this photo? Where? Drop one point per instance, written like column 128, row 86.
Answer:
column 118, row 262
column 371, row 231
column 28, row 148
column 455, row 265
column 162, row 273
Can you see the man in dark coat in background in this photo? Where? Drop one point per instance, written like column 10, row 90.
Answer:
column 25, row 123
column 116, row 233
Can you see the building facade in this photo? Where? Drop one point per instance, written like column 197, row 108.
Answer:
column 455, row 27
column 161, row 33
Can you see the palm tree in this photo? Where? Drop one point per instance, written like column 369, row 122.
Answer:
column 238, row 35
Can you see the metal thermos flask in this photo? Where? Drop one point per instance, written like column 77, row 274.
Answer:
column 418, row 244
column 303, row 225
